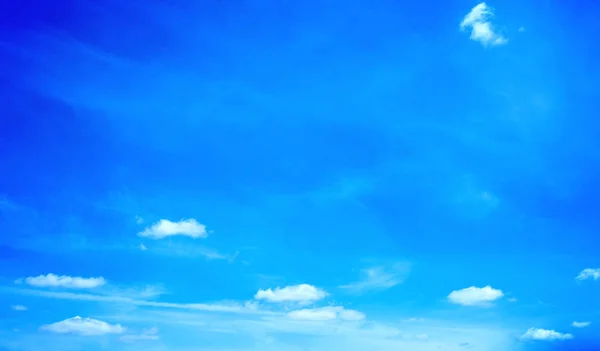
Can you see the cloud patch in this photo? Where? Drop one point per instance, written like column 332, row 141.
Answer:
column 62, row 281
column 474, row 296
column 580, row 324
column 19, row 308
column 589, row 273
column 83, row 326
column 326, row 314
column 477, row 21
column 303, row 293
column 545, row 334
column 165, row 228
column 149, row 334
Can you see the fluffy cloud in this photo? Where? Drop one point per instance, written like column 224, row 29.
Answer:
column 545, row 334
column 580, row 324
column 19, row 308
column 380, row 277
column 83, row 326
column 303, row 293
column 482, row 30
column 165, row 228
column 62, row 281
column 474, row 296
column 589, row 273
column 326, row 314
column 149, row 334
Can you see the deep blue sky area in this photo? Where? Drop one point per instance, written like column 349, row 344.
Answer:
column 241, row 175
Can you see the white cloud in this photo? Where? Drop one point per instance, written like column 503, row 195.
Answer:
column 165, row 228
column 326, row 314
column 19, row 308
column 379, row 277
column 62, row 281
column 474, row 296
column 545, row 334
column 580, row 324
column 149, row 334
column 83, row 326
column 303, row 293
column 589, row 273
column 513, row 299
column 143, row 247
column 482, row 30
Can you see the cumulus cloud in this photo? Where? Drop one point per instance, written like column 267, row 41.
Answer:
column 474, row 296
column 589, row 273
column 149, row 334
column 19, row 308
column 545, row 334
column 303, row 293
column 580, row 324
column 165, row 228
column 379, row 277
column 326, row 314
column 62, row 281
column 482, row 30
column 83, row 326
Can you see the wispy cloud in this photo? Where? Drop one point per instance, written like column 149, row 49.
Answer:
column 474, row 296
column 247, row 308
column 545, row 334
column 62, row 281
column 326, row 314
column 165, row 228
column 379, row 278
column 83, row 326
column 482, row 29
column 589, row 273
column 149, row 334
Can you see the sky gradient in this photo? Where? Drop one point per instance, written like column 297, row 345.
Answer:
column 235, row 175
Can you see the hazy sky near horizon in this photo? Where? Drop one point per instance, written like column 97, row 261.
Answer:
column 241, row 175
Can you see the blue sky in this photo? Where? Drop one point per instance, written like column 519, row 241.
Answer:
column 299, row 176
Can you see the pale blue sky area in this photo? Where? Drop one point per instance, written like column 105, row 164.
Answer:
column 241, row 175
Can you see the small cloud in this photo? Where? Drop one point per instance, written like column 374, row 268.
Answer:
column 149, row 334
column 165, row 228
column 415, row 320
column 303, row 293
column 589, row 273
column 580, row 324
column 474, row 296
column 422, row 337
column 379, row 278
column 19, row 308
column 139, row 220
column 512, row 299
column 233, row 257
column 83, row 326
column 521, row 29
column 326, row 314
column 143, row 247
column 482, row 30
column 545, row 334
column 62, row 281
